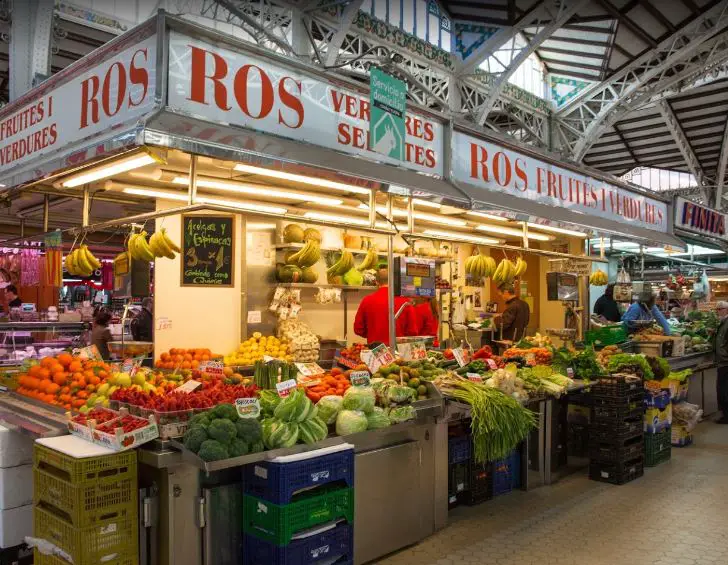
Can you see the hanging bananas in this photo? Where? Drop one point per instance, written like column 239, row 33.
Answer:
column 308, row 255
column 520, row 267
column 342, row 266
column 505, row 272
column 598, row 278
column 370, row 260
column 162, row 246
column 81, row 262
column 480, row 266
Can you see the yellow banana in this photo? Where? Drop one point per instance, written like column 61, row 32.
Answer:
column 83, row 266
column 93, row 261
column 143, row 247
column 171, row 244
column 70, row 265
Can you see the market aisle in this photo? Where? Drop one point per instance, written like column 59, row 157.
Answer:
column 581, row 522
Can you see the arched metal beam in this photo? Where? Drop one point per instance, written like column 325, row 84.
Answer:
column 347, row 18
column 722, row 171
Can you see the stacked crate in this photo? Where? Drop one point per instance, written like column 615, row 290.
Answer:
column 16, row 495
column 616, row 448
column 300, row 512
column 657, row 424
column 459, row 460
column 681, row 435
column 86, row 507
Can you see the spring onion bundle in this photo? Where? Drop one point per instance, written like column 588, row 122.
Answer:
column 499, row 422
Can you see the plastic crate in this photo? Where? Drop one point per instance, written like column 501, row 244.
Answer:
column 633, row 399
column 458, row 483
column 617, row 473
column 577, row 443
column 278, row 482
column 100, row 543
column 657, row 399
column 480, row 482
column 619, row 428
column 337, row 541
column 503, row 470
column 121, row 465
column 40, row 559
column 278, row 523
column 658, row 447
column 616, row 388
column 607, row 335
column 458, row 448
column 516, row 469
column 618, row 450
column 88, row 503
column 613, row 415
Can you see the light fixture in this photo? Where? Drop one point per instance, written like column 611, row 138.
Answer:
column 436, row 219
column 462, row 237
column 262, row 191
column 300, row 178
column 487, row 216
column 554, row 230
column 255, row 226
column 383, row 210
column 105, row 171
column 513, row 231
column 169, row 195
column 337, row 219
column 425, row 203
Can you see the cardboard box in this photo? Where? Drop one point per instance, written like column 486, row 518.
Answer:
column 15, row 524
column 16, row 486
column 15, row 448
column 657, row 420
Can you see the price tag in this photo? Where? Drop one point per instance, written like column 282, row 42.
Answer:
column 380, row 356
column 492, row 365
column 254, row 317
column 132, row 365
column 215, row 368
column 475, row 377
column 286, row 387
column 309, row 369
column 360, row 378
column 295, row 309
column 412, row 351
column 279, row 292
column 247, row 407
column 307, row 381
column 460, row 356
column 164, row 324
column 531, row 358
column 189, row 386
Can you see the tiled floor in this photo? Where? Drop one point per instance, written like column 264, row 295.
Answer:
column 676, row 514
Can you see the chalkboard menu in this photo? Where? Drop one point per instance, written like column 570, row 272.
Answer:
column 208, row 250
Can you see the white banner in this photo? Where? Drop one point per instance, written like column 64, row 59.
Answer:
column 107, row 94
column 244, row 90
column 693, row 217
column 497, row 169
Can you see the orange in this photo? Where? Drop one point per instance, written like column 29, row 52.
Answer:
column 44, row 374
column 47, row 361
column 52, row 388
column 34, row 370
column 82, row 394
column 65, row 359
column 74, row 366
column 59, row 378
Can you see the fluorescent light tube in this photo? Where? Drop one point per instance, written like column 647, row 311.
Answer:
column 462, row 237
column 554, row 230
column 262, row 191
column 169, row 195
column 437, row 219
column 254, row 226
column 513, row 231
column 425, row 203
column 487, row 216
column 337, row 219
column 300, row 178
column 109, row 170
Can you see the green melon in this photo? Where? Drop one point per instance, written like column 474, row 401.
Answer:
column 334, row 279
column 312, row 233
column 309, row 276
column 293, row 233
column 290, row 273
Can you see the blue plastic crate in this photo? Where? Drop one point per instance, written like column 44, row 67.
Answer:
column 657, row 399
column 337, row 541
column 278, row 482
column 502, row 476
column 516, row 469
column 458, row 449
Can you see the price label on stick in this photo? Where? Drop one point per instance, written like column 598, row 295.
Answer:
column 309, row 369
column 247, row 407
column 475, row 377
column 189, row 386
column 360, row 378
column 286, row 387
column 492, row 365
column 412, row 351
column 460, row 356
column 132, row 365
column 214, row 368
column 380, row 356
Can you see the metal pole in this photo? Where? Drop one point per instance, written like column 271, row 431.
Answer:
column 85, row 207
column 601, row 247
column 22, row 228
column 410, row 215
column 525, row 235
column 192, row 192
column 390, row 281
column 642, row 262
column 46, row 211
column 372, row 208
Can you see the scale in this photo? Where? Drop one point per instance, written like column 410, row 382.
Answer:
column 414, row 276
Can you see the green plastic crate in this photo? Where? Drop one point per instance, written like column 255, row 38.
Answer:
column 658, row 447
column 278, row 523
column 103, row 542
column 120, row 465
column 608, row 335
column 40, row 559
column 86, row 503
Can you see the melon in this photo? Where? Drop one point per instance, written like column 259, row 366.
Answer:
column 353, row 278
column 288, row 255
column 293, row 233
column 309, row 276
column 312, row 234
column 279, row 266
column 334, row 279
column 290, row 274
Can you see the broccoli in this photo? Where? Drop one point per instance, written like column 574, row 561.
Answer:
column 257, row 447
column 222, row 430
column 224, row 412
column 213, row 450
column 248, row 429
column 194, row 437
column 238, row 448
column 199, row 420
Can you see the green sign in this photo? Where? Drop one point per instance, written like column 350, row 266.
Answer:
column 388, row 107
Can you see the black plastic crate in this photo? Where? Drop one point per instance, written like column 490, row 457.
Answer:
column 615, row 451
column 633, row 399
column 457, row 483
column 617, row 473
column 614, row 415
column 577, row 444
column 658, row 447
column 618, row 429
column 615, row 388
column 480, row 483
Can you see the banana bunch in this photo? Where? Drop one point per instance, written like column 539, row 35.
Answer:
column 520, row 267
column 598, row 278
column 505, row 273
column 479, row 266
column 342, row 266
column 81, row 262
column 370, row 260
column 162, row 246
column 139, row 247
column 308, row 255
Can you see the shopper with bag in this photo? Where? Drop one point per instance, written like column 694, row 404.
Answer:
column 721, row 359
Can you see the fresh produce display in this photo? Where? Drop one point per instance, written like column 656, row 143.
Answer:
column 138, row 247
column 585, row 365
column 520, row 267
column 329, row 407
column 81, row 262
column 220, row 433
column 303, row 344
column 342, row 266
column 480, row 266
column 351, row 356
column 307, row 256
column 176, row 358
column 161, row 245
column 630, row 363
column 334, row 383
column 484, row 352
column 127, row 423
column 351, row 422
column 294, row 419
column 370, row 260
column 293, row 233
column 533, row 355
column 411, row 372
column 99, row 415
column 660, row 367
column 506, row 272
column 598, row 278
column 266, row 375
column 605, row 353
column 680, row 375
column 207, row 395
column 256, row 347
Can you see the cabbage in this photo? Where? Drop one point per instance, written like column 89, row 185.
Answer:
column 351, row 422
column 359, row 398
column 328, row 407
column 401, row 394
column 401, row 414
column 377, row 419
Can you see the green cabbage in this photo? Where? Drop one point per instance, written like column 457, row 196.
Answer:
column 400, row 394
column 359, row 398
column 402, row 414
column 377, row 419
column 328, row 407
column 351, row 422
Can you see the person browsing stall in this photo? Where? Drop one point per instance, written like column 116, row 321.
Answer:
column 645, row 309
column 606, row 306
column 515, row 317
column 721, row 359
column 142, row 326
column 14, row 301
column 101, row 334
column 372, row 319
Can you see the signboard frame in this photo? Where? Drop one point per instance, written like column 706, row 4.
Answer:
column 183, row 254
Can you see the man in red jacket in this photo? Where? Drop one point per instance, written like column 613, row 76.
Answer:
column 372, row 320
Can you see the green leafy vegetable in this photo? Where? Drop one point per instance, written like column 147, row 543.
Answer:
column 630, row 363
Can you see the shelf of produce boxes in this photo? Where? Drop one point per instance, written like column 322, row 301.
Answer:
column 315, row 285
column 438, row 260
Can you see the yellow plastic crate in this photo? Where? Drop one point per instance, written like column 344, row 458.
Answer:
column 101, row 543
column 40, row 559
column 87, row 503
column 120, row 465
